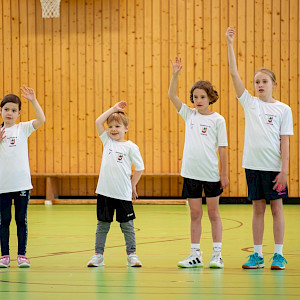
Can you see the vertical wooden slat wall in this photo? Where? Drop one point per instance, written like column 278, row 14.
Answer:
column 101, row 51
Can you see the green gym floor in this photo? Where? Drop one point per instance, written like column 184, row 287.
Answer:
column 61, row 241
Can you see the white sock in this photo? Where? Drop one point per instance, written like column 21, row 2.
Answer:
column 258, row 250
column 195, row 247
column 217, row 247
column 278, row 248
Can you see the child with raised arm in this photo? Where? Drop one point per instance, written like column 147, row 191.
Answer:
column 15, row 179
column 205, row 133
column 268, row 125
column 115, row 188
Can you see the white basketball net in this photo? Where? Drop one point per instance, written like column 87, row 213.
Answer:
column 50, row 8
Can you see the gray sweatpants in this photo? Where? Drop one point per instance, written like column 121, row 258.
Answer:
column 103, row 229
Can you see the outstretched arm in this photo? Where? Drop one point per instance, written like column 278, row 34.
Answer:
column 29, row 94
column 236, row 79
column 176, row 67
column 120, row 106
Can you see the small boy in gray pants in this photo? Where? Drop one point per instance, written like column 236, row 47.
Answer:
column 116, row 188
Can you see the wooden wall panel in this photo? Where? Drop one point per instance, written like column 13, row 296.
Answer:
column 101, row 51
column 65, row 96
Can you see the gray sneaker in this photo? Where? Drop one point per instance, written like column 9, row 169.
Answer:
column 96, row 261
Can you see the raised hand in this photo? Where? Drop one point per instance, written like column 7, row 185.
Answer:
column 28, row 93
column 177, row 66
column 120, row 106
column 230, row 33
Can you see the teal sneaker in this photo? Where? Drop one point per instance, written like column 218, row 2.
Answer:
column 254, row 262
column 278, row 262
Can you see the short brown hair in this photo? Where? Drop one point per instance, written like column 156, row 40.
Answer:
column 11, row 98
column 268, row 72
column 119, row 117
column 208, row 88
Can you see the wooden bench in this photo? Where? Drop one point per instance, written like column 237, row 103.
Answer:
column 52, row 181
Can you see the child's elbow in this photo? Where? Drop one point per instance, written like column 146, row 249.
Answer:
column 171, row 96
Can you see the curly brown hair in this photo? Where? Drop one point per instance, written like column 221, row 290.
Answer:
column 208, row 88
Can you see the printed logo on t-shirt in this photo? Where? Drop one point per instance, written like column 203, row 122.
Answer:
column 204, row 129
column 270, row 119
column 12, row 141
column 120, row 157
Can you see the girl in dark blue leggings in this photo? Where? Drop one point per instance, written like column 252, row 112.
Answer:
column 15, row 179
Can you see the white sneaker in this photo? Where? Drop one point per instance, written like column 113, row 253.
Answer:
column 133, row 260
column 96, row 261
column 193, row 261
column 216, row 261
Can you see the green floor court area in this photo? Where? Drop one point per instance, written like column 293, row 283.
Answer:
column 61, row 241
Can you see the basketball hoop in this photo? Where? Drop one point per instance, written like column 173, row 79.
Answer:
column 50, row 8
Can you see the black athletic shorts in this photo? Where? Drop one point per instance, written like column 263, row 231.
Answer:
column 106, row 207
column 193, row 188
column 260, row 185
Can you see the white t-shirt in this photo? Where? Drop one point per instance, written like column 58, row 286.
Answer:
column 14, row 160
column 115, row 173
column 203, row 135
column 265, row 122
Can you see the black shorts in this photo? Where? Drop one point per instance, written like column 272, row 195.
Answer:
column 106, row 207
column 260, row 185
column 193, row 188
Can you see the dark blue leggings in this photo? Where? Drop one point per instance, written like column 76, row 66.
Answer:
column 21, row 200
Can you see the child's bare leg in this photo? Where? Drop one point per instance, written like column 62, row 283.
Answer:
column 196, row 213
column 215, row 219
column 259, row 207
column 278, row 220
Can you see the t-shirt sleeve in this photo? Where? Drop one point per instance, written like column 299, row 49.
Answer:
column 244, row 99
column 27, row 127
column 222, row 133
column 287, row 122
column 185, row 112
column 104, row 137
column 136, row 158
